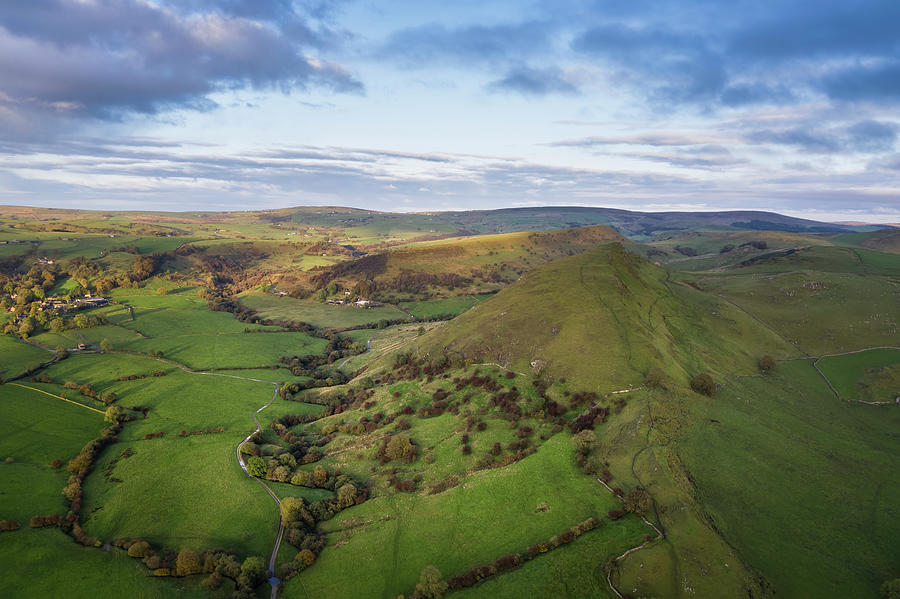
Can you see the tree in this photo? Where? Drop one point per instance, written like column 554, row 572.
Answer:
column 256, row 466
column 767, row 363
column 291, row 509
column 140, row 549
column 57, row 325
column 188, row 562
column 584, row 441
column 703, row 383
column 891, row 589
column 160, row 291
column 398, row 447
column 112, row 415
column 430, row 585
column 320, row 476
column 638, row 501
column 81, row 321
column 105, row 345
column 346, row 495
column 304, row 559
column 26, row 327
column 253, row 570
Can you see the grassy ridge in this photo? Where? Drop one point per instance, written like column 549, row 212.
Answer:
column 605, row 318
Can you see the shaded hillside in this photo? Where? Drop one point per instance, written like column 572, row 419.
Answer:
column 470, row 263
column 605, row 318
column 884, row 240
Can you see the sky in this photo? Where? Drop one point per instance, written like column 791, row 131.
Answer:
column 784, row 105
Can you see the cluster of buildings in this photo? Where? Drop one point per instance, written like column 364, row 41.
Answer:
column 363, row 303
column 62, row 306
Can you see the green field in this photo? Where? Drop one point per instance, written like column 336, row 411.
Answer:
column 288, row 309
column 491, row 514
column 770, row 487
column 35, row 430
column 191, row 493
column 44, row 559
column 442, row 307
column 848, row 371
column 17, row 357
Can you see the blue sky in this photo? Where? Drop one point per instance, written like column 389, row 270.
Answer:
column 782, row 105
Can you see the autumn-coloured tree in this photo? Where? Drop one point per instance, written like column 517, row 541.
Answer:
column 188, row 562
column 430, row 585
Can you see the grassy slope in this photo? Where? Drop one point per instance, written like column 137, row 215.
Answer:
column 614, row 308
column 191, row 493
column 826, row 300
column 493, row 513
column 786, row 469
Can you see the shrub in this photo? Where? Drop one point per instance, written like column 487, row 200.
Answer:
column 304, row 558
column 430, row 585
column 7, row 525
column 188, row 562
column 703, row 383
column 140, row 549
column 891, row 589
column 767, row 363
column 638, row 501
column 615, row 514
column 398, row 447
column 655, row 377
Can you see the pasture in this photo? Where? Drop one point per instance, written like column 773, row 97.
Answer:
column 847, row 372
column 17, row 357
column 492, row 513
column 36, row 562
column 35, row 430
column 181, row 492
column 288, row 309
column 813, row 474
column 441, row 307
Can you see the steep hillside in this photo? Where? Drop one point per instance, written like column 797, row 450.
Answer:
column 606, row 317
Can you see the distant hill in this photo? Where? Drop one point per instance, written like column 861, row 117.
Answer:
column 366, row 227
column 483, row 259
